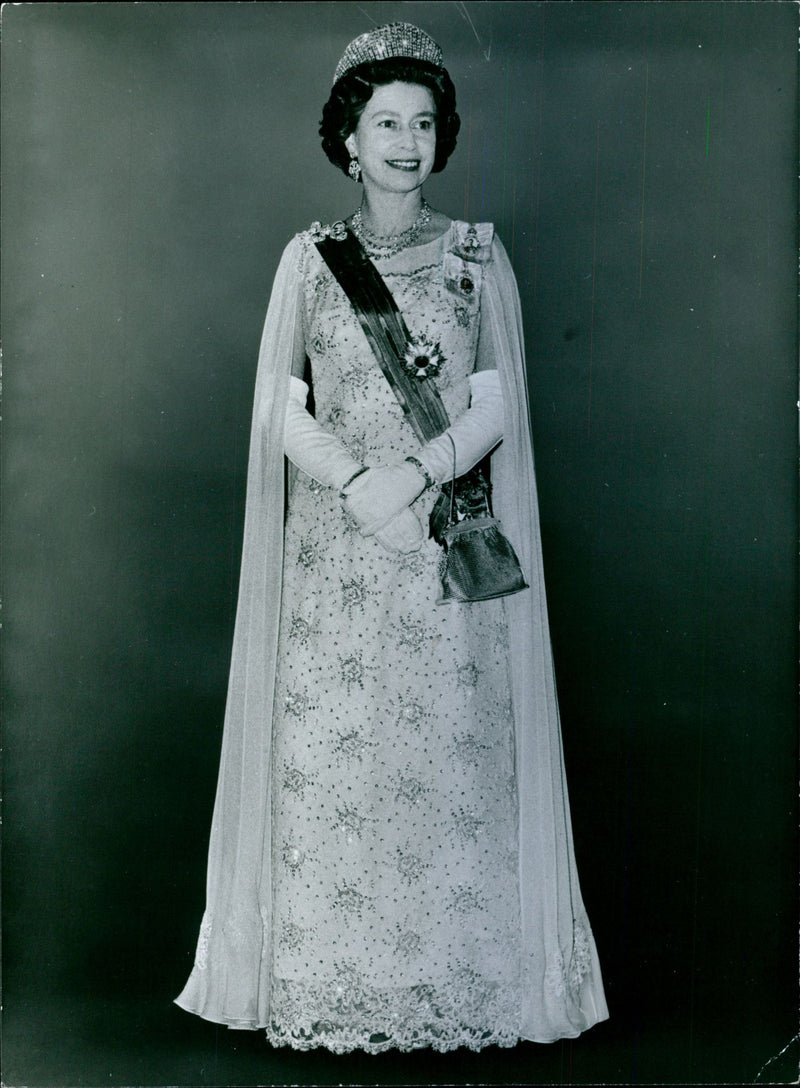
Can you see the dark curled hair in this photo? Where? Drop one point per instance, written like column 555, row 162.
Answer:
column 351, row 93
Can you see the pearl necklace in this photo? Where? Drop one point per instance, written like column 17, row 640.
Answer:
column 387, row 245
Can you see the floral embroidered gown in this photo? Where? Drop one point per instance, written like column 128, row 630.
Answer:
column 395, row 890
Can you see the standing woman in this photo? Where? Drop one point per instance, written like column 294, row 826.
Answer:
column 391, row 855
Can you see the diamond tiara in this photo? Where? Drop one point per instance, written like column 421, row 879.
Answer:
column 392, row 40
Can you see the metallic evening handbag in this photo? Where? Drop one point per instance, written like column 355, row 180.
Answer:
column 479, row 562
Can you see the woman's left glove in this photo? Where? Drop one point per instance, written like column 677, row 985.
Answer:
column 474, row 433
column 402, row 534
column 377, row 495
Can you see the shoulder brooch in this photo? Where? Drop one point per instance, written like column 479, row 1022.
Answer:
column 337, row 231
column 472, row 241
column 469, row 246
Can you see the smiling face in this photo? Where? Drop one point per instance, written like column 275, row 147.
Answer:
column 395, row 139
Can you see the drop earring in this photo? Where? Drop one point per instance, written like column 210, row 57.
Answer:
column 354, row 170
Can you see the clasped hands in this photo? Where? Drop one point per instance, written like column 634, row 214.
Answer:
column 379, row 500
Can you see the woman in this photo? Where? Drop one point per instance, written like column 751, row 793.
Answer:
column 391, row 859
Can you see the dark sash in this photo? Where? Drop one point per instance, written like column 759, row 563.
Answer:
column 386, row 332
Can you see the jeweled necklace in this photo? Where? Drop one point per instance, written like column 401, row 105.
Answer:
column 387, row 245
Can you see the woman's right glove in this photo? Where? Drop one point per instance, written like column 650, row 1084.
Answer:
column 324, row 457
column 378, row 495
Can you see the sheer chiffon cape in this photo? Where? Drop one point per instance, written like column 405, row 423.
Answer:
column 230, row 982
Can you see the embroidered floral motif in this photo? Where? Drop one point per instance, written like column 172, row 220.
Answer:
column 352, row 670
column 293, row 856
column 465, row 977
column 464, row 900
column 417, row 564
column 335, row 416
column 414, row 634
column 467, row 826
column 408, row 943
column 354, row 593
column 297, row 703
column 410, row 715
column 292, row 936
column 462, row 315
column 508, row 860
column 409, row 788
column 352, row 745
column 307, row 556
column 348, row 987
column 468, row 749
column 410, row 866
column 299, row 629
column 359, row 448
column 474, row 991
column 581, row 958
column 351, row 821
column 349, row 899
column 356, row 377
column 468, row 675
column 349, row 526
column 295, row 781
column 239, row 925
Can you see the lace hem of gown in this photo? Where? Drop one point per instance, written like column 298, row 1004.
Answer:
column 345, row 1017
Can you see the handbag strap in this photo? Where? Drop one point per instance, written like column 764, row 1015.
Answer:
column 386, row 332
column 451, row 520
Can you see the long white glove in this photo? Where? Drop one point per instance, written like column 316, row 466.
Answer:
column 321, row 455
column 474, row 434
column 377, row 495
column 324, row 457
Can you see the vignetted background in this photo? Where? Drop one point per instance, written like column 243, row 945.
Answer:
column 639, row 160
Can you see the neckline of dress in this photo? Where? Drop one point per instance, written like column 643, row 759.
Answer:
column 422, row 245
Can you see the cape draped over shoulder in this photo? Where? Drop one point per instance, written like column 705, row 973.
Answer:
column 230, row 983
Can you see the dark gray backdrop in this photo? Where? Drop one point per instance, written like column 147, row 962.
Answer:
column 639, row 161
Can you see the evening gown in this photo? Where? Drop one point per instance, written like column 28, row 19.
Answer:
column 394, row 812
column 415, row 886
